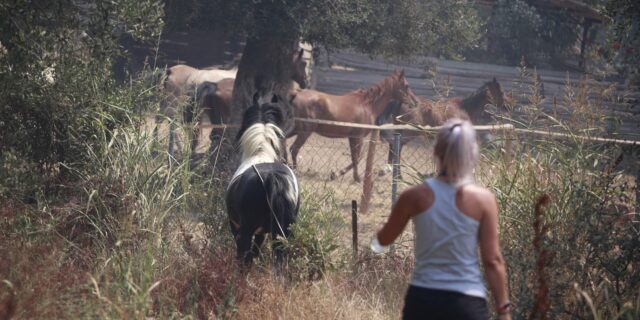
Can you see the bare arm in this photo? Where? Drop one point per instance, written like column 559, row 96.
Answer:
column 494, row 264
column 410, row 203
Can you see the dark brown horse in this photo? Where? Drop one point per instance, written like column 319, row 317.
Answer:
column 430, row 113
column 360, row 106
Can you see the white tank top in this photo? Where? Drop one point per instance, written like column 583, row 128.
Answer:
column 446, row 245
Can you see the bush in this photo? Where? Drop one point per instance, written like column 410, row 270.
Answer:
column 518, row 30
column 55, row 76
column 590, row 214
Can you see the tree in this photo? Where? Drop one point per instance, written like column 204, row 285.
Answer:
column 55, row 67
column 624, row 44
column 273, row 27
column 520, row 29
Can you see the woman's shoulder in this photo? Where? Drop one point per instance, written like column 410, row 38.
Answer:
column 418, row 197
column 479, row 196
column 478, row 190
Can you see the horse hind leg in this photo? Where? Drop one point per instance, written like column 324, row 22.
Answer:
column 243, row 252
column 301, row 138
column 355, row 144
column 258, row 240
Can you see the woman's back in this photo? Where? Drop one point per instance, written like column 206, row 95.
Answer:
column 452, row 219
column 446, row 245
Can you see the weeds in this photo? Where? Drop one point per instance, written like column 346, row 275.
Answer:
column 134, row 233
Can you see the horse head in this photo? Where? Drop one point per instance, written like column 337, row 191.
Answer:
column 495, row 93
column 299, row 70
column 273, row 109
column 402, row 90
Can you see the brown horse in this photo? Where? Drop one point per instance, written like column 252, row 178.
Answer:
column 360, row 106
column 430, row 113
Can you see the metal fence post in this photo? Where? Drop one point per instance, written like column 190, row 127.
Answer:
column 396, row 167
column 354, row 228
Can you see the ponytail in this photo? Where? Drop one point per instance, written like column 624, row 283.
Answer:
column 456, row 151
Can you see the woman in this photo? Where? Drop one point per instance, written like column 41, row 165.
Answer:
column 451, row 218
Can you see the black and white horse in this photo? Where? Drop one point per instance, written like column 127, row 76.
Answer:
column 263, row 195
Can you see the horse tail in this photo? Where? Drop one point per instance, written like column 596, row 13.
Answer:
column 282, row 192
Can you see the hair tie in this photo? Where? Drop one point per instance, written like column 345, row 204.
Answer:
column 454, row 126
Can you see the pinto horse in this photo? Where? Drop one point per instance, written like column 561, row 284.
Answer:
column 360, row 106
column 263, row 195
column 210, row 90
column 472, row 108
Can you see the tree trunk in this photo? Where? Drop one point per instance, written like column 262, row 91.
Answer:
column 267, row 59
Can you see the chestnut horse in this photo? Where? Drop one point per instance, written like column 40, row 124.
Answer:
column 360, row 106
column 431, row 113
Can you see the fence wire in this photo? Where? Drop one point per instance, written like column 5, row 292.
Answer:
column 321, row 160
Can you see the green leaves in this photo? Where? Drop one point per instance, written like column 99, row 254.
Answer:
column 376, row 27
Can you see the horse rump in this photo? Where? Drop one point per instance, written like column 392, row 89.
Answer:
column 281, row 189
column 263, row 199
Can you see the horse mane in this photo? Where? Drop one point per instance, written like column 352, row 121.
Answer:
column 260, row 134
column 375, row 92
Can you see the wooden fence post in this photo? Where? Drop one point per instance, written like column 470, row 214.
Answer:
column 367, row 185
column 508, row 145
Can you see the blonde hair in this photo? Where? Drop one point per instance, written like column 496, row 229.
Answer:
column 456, row 151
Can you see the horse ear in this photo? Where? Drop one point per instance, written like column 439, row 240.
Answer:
column 300, row 53
column 275, row 98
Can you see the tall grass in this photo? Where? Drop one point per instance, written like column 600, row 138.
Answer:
column 591, row 228
column 135, row 233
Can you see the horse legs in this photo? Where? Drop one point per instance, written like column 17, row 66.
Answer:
column 243, row 243
column 258, row 240
column 194, row 138
column 295, row 147
column 355, row 144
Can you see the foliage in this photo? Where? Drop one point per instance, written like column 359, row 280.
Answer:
column 520, row 29
column 377, row 27
column 623, row 47
column 55, row 73
column 590, row 221
column 315, row 243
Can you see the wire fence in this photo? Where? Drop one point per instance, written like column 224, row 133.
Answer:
column 323, row 163
column 392, row 158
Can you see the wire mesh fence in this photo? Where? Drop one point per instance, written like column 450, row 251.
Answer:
column 322, row 162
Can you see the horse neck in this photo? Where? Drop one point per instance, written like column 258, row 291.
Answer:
column 378, row 96
column 259, row 144
column 475, row 101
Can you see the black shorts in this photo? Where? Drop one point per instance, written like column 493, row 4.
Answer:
column 423, row 303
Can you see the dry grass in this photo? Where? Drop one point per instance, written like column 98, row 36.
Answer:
column 132, row 235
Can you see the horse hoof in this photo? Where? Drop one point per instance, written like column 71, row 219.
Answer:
column 333, row 175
